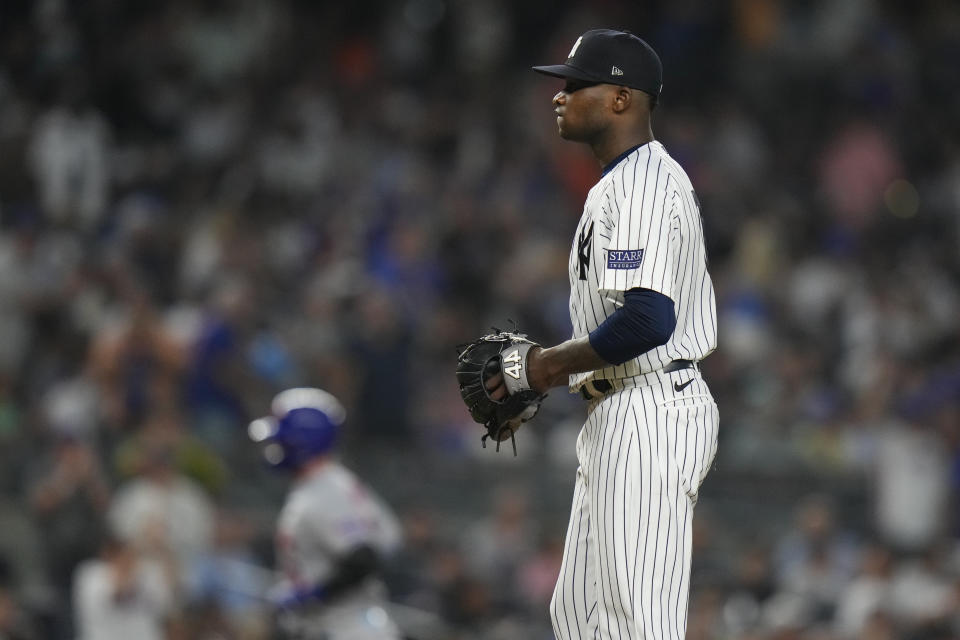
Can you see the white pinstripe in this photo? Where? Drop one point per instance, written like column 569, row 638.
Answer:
column 643, row 454
column 645, row 447
column 645, row 202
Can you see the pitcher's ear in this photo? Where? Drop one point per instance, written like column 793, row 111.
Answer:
column 622, row 99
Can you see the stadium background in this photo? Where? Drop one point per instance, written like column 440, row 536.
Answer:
column 204, row 202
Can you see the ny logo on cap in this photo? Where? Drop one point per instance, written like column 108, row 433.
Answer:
column 576, row 45
column 616, row 71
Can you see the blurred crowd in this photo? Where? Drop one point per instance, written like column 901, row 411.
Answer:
column 203, row 202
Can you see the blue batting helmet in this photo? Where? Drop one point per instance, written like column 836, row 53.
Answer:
column 303, row 424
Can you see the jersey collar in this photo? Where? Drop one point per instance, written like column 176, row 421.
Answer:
column 607, row 169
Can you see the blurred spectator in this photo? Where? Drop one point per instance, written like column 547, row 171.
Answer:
column 160, row 512
column 706, row 614
column 22, row 267
column 205, row 619
column 879, row 626
column 121, row 595
column 213, row 129
column 69, row 155
column 228, row 587
column 407, row 573
column 869, row 593
column 71, row 408
column 911, row 484
column 470, row 603
column 69, row 499
column 222, row 41
column 192, row 458
column 136, row 363
column 857, row 167
column 817, row 547
column 15, row 622
column 142, row 244
column 383, row 350
column 297, row 155
column 497, row 544
column 754, row 587
column 537, row 575
column 23, row 563
column 948, row 421
column 218, row 380
column 446, row 568
column 923, row 600
column 818, row 582
column 11, row 436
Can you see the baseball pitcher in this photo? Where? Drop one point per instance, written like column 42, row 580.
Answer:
column 644, row 316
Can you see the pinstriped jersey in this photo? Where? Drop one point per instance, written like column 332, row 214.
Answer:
column 641, row 227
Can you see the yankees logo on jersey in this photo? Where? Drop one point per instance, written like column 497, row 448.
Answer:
column 641, row 227
column 584, row 248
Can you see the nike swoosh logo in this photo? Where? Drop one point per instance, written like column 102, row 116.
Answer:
column 680, row 387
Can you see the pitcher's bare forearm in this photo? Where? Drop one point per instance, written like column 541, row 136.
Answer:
column 551, row 367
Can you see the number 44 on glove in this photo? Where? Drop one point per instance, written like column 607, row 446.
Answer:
column 501, row 354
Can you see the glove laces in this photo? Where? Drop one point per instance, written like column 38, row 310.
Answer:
column 513, row 440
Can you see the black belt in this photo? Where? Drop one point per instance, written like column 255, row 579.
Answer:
column 603, row 386
column 677, row 365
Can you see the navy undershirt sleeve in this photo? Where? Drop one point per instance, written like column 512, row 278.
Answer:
column 645, row 321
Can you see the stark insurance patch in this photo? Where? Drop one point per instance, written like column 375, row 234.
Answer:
column 624, row 258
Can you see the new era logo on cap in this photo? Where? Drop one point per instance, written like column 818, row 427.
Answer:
column 615, row 57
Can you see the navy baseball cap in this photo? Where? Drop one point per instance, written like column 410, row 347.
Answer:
column 611, row 57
